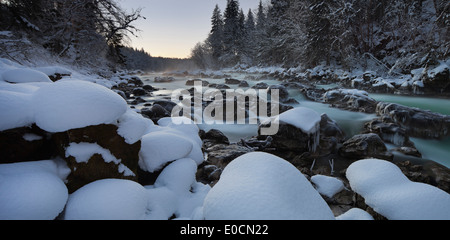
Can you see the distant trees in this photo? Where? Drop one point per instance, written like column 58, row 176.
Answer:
column 392, row 33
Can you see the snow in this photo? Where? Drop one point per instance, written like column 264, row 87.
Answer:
column 82, row 152
column 24, row 75
column 32, row 191
column 133, row 126
column 66, row 105
column 53, row 70
column 108, row 199
column 303, row 118
column 355, row 214
column 160, row 148
column 176, row 192
column 261, row 186
column 15, row 110
column 30, row 137
column 327, row 186
column 391, row 194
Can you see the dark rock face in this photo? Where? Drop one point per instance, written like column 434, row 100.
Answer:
column 389, row 132
column 25, row 144
column 289, row 138
column 232, row 81
column 97, row 168
column 222, row 154
column 155, row 112
column 282, row 91
column 351, row 100
column 365, row 146
column 416, row 122
column 438, row 80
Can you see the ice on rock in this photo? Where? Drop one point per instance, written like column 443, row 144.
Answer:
column 32, row 191
column 327, row 186
column 108, row 199
column 66, row 105
column 24, row 75
column 261, row 186
column 390, row 193
column 160, row 148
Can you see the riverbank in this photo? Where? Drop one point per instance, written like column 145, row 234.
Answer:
column 73, row 149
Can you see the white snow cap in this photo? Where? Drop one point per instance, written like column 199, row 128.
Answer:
column 390, row 193
column 303, row 118
column 355, row 214
column 24, row 75
column 32, row 191
column 327, row 186
column 261, row 186
column 108, row 199
column 15, row 110
column 66, row 105
column 133, row 126
column 160, row 148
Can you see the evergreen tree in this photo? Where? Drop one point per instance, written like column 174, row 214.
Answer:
column 231, row 33
column 216, row 35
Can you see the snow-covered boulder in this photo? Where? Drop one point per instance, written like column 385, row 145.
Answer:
column 66, row 105
column 133, row 126
column 176, row 192
column 261, row 186
column 32, row 191
column 24, row 75
column 299, row 130
column 108, row 199
column 355, row 214
column 16, row 110
column 390, row 193
column 327, row 186
column 162, row 147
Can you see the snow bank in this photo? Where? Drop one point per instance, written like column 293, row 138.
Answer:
column 327, row 186
column 66, row 105
column 261, row 186
column 355, row 214
column 393, row 195
column 24, row 75
column 108, row 199
column 32, row 191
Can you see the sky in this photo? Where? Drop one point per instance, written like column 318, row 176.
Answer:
column 173, row 27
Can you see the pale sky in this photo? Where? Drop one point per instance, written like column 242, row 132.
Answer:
column 173, row 27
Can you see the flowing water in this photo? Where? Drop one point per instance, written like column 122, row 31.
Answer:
column 351, row 122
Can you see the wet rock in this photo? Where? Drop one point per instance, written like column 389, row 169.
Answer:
column 389, row 132
column 215, row 136
column 282, row 91
column 261, row 85
column 365, row 146
column 166, row 104
column 193, row 81
column 155, row 112
column 416, row 122
column 164, row 79
column 244, row 84
column 139, row 92
column 232, row 81
column 350, row 99
column 222, row 154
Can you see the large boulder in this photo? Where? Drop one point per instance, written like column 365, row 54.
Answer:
column 438, row 79
column 350, row 99
column 365, row 146
column 97, row 152
column 417, row 122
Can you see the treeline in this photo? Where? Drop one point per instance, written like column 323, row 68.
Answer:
column 139, row 59
column 399, row 34
column 84, row 31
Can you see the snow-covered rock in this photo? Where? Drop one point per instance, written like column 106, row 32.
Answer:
column 262, row 186
column 133, row 126
column 162, row 147
column 108, row 199
column 327, row 186
column 66, row 105
column 32, row 191
column 390, row 193
column 24, row 75
column 355, row 214
column 15, row 110
column 176, row 192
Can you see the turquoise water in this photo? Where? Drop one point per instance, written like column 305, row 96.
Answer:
column 433, row 104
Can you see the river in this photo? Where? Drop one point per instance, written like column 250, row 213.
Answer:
column 351, row 122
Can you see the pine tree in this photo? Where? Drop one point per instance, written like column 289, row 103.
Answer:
column 216, row 35
column 231, row 33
